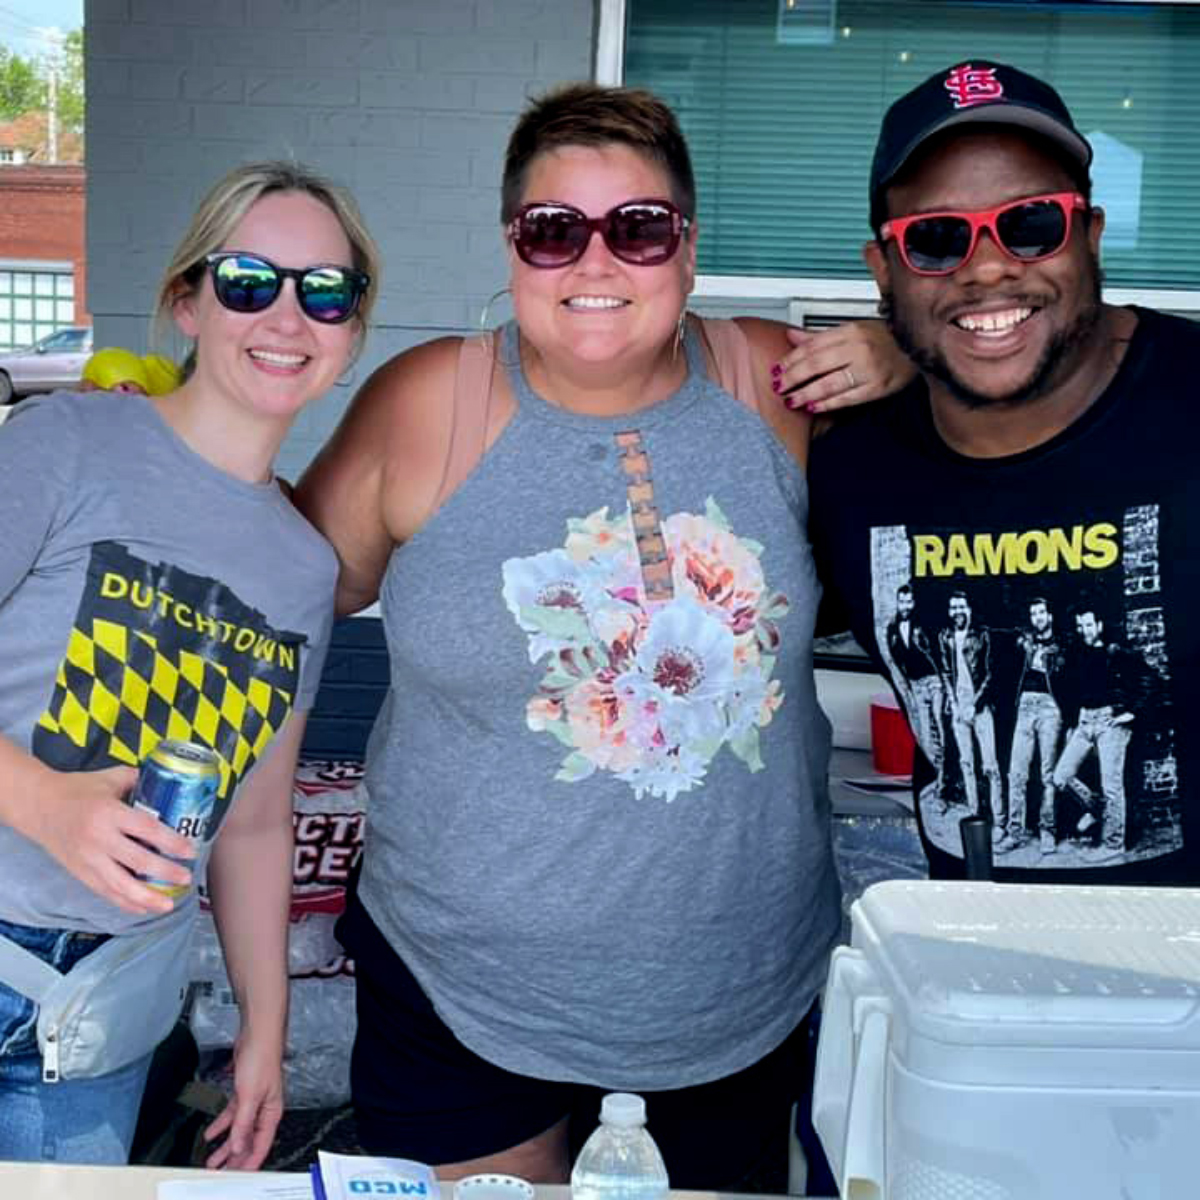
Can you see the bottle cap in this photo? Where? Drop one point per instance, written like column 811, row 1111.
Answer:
column 493, row 1187
column 623, row 1109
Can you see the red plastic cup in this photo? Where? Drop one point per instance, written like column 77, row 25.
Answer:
column 892, row 742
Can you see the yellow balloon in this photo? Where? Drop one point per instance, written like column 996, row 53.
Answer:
column 113, row 366
column 162, row 375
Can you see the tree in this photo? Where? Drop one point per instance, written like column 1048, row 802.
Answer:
column 22, row 86
column 26, row 86
column 70, row 83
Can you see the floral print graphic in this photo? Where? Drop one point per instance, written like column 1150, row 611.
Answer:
column 649, row 691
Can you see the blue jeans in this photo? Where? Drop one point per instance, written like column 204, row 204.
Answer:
column 78, row 1120
column 1096, row 730
column 1039, row 722
column 926, row 714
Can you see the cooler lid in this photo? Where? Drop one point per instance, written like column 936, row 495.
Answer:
column 1015, row 963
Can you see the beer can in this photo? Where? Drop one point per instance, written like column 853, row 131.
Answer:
column 178, row 783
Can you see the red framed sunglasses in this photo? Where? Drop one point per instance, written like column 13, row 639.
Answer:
column 1028, row 230
column 643, row 233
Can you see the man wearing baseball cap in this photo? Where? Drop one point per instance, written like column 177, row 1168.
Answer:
column 1045, row 451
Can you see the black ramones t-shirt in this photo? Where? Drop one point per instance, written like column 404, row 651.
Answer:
column 1038, row 617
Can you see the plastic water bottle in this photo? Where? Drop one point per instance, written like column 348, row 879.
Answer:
column 620, row 1160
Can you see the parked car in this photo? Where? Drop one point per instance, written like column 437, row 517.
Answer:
column 54, row 362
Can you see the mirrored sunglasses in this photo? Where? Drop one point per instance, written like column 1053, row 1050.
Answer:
column 1028, row 230
column 643, row 233
column 249, row 283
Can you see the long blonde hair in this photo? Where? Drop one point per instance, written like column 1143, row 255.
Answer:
column 227, row 202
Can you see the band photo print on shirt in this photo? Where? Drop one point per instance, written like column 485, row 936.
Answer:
column 1033, row 667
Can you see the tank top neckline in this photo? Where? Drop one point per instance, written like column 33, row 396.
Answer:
column 534, row 404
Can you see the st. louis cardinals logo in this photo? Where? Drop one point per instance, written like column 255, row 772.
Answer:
column 970, row 85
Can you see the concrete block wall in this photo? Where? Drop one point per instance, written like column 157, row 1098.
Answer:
column 353, row 685
column 407, row 102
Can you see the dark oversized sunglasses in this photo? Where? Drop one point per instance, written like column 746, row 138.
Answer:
column 643, row 233
column 249, row 283
column 1029, row 230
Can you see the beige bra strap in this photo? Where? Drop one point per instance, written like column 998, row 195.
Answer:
column 472, row 402
column 731, row 354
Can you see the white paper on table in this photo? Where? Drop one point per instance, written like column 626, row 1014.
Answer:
column 264, row 1187
column 352, row 1176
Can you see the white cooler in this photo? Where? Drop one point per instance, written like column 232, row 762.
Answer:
column 1002, row 1042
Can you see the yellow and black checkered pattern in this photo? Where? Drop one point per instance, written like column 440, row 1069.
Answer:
column 115, row 687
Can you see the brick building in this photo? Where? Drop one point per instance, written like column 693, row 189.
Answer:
column 42, row 254
column 26, row 139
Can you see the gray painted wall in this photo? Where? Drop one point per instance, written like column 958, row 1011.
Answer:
column 408, row 102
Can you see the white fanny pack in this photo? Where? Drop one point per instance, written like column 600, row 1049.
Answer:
column 114, row 1006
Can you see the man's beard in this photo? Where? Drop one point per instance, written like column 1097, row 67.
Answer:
column 1045, row 376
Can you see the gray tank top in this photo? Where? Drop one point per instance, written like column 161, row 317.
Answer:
column 598, row 830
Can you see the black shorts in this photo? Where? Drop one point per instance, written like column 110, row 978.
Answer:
column 419, row 1093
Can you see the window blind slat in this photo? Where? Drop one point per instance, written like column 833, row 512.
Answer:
column 782, row 134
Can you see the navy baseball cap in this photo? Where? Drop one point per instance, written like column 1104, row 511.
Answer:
column 970, row 92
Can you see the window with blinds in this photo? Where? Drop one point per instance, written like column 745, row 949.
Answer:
column 781, row 102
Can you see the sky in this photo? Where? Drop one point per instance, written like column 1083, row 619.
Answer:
column 22, row 20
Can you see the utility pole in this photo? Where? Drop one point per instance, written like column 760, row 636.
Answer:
column 56, row 40
column 53, row 107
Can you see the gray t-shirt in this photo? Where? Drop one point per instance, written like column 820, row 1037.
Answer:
column 144, row 594
column 598, row 830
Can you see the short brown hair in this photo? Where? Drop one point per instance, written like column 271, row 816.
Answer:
column 589, row 114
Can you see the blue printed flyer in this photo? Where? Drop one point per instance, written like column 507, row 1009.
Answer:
column 357, row 1177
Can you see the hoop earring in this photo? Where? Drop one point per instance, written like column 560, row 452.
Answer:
column 486, row 313
column 678, row 339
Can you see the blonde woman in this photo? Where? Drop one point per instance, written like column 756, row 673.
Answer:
column 155, row 581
